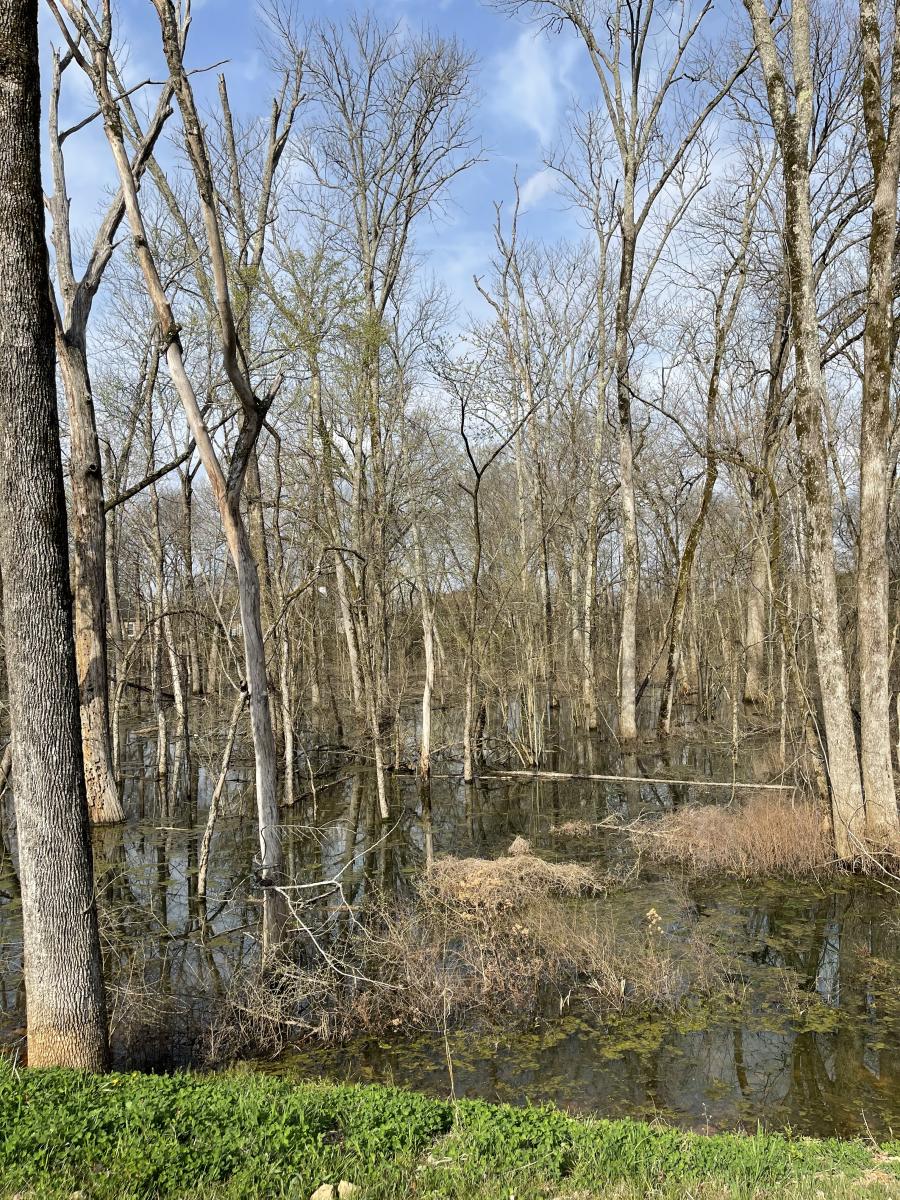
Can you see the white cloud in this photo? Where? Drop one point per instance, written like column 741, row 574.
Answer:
column 537, row 186
column 531, row 82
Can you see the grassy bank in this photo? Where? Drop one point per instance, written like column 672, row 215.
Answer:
column 240, row 1135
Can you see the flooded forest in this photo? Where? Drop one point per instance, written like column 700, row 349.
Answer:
column 483, row 653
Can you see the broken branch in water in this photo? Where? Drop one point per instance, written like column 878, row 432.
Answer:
column 725, row 783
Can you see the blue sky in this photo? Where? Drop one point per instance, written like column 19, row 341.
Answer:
column 526, row 83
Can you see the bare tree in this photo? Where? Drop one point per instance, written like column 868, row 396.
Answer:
column 791, row 121
column 391, row 129
column 662, row 163
column 227, row 479
column 726, row 300
column 72, row 313
column 883, row 140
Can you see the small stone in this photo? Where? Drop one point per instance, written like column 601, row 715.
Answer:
column 323, row 1192
column 346, row 1190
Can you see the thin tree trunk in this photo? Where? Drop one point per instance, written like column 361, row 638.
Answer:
column 187, row 552
column 89, row 539
column 226, row 488
column 762, row 502
column 86, row 475
column 757, row 592
column 679, row 602
column 428, row 645
column 631, row 555
column 215, row 802
column 286, row 689
column 589, row 596
column 469, row 716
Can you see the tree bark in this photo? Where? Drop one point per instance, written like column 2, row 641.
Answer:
column 63, row 969
column 761, row 506
column 874, row 491
column 89, row 558
column 792, row 132
column 427, row 606
column 631, row 554
column 86, row 475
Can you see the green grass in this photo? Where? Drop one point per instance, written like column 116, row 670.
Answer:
column 133, row 1137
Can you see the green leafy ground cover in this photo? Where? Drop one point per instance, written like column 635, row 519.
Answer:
column 136, row 1137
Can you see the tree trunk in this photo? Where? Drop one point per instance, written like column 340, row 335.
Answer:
column 843, row 764
column 215, row 802
column 874, row 493
column 270, row 859
column 589, row 595
column 89, row 557
column 757, row 592
column 631, row 556
column 286, row 688
column 764, row 499
column 62, row 963
column 195, row 672
column 428, row 644
column 679, row 602
column 792, row 132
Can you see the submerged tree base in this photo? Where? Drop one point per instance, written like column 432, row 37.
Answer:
column 125, row 1137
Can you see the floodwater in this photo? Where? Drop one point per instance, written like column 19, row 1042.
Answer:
column 811, row 1040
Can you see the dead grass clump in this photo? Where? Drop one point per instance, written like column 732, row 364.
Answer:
column 762, row 836
column 430, row 966
column 480, row 943
column 576, row 829
column 495, row 884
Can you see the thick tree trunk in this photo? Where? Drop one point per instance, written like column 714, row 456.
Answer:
column 872, row 574
column 63, row 971
column 843, row 763
column 792, row 129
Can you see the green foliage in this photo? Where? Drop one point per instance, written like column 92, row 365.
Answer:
column 137, row 1137
column 505, row 1138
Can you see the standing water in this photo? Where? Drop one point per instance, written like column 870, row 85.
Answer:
column 807, row 1035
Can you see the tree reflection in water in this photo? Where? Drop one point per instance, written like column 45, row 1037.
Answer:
column 814, row 1042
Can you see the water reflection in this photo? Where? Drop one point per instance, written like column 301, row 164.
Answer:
column 814, row 1042
column 815, row 1068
